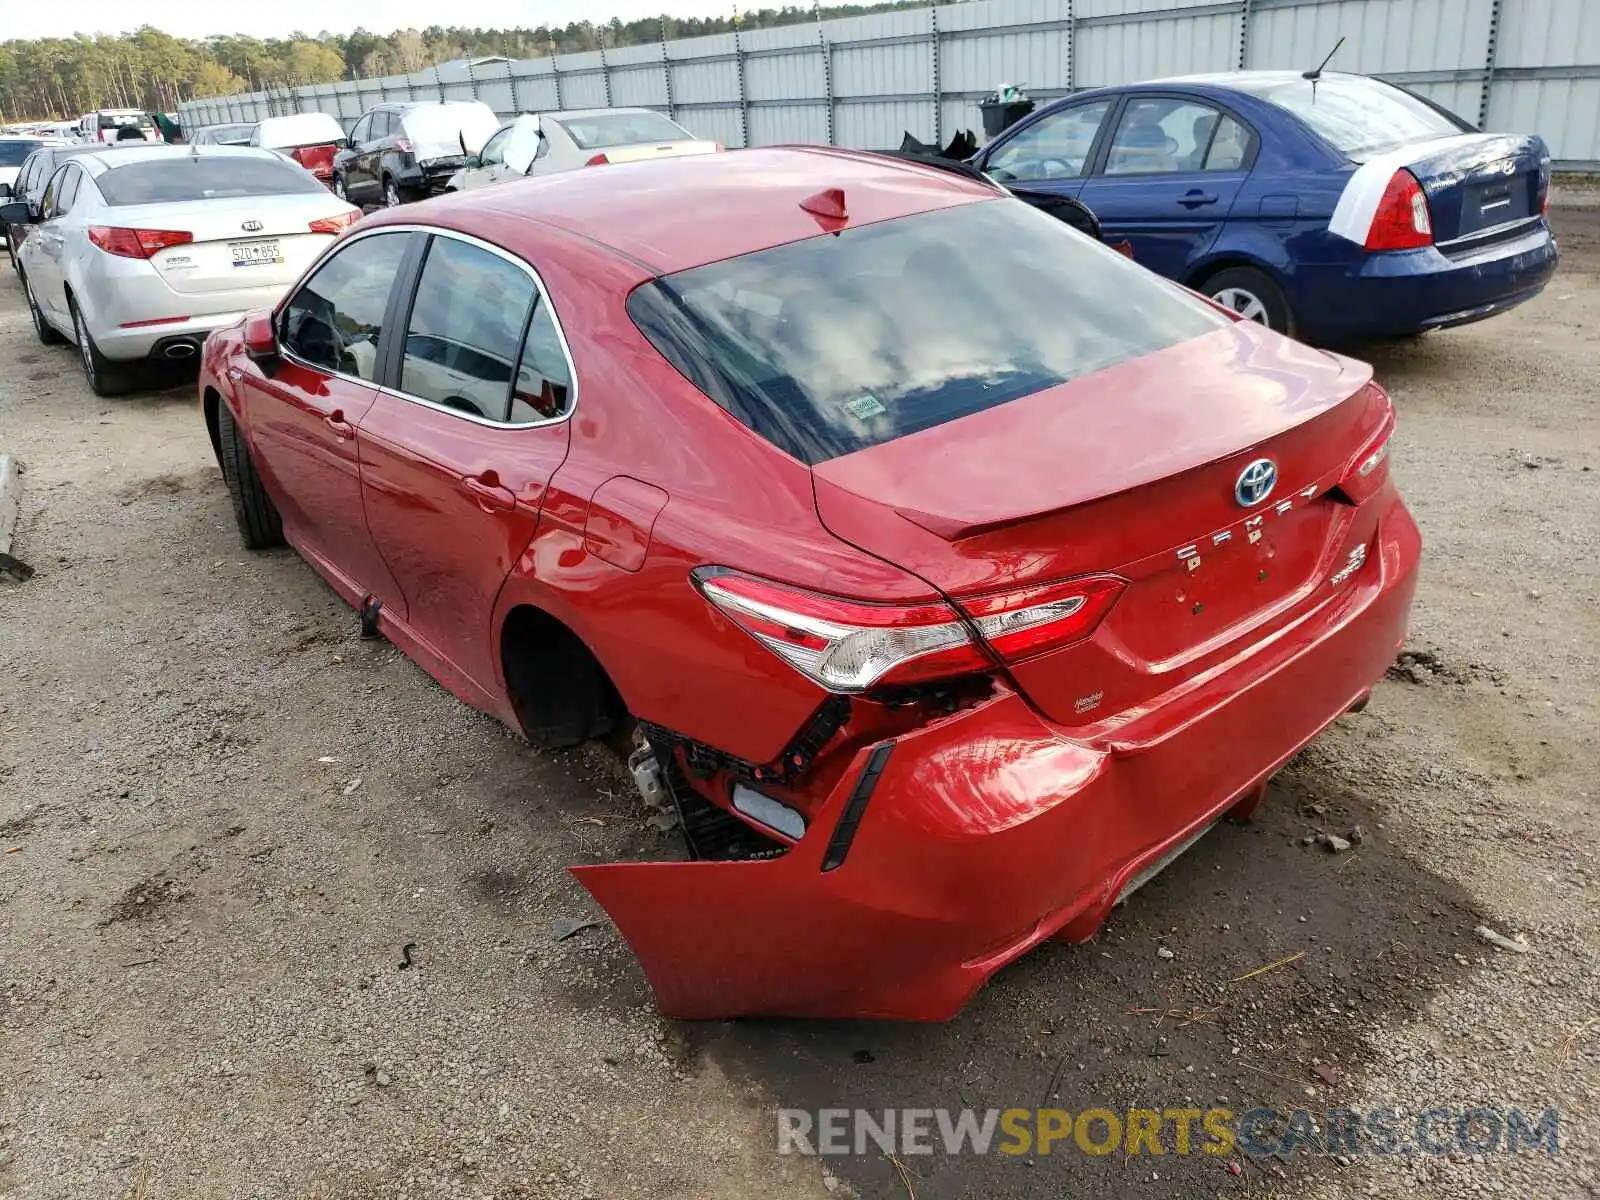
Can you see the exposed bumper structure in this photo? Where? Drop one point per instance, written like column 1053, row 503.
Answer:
column 990, row 831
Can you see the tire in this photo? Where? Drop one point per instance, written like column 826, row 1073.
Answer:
column 106, row 378
column 46, row 332
column 392, row 196
column 339, row 189
column 1253, row 295
column 260, row 526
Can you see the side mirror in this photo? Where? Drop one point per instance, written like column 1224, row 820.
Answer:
column 16, row 212
column 260, row 340
column 473, row 162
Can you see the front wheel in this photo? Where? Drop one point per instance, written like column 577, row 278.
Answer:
column 338, row 188
column 1253, row 295
column 259, row 523
column 391, row 194
column 47, row 333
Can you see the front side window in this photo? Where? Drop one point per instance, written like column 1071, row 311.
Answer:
column 465, row 329
column 1160, row 134
column 362, row 132
column 837, row 343
column 1355, row 115
column 335, row 319
column 494, row 150
column 1054, row 147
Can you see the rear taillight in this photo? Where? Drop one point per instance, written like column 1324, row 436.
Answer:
column 599, row 160
column 335, row 224
column 850, row 645
column 136, row 243
column 720, row 147
column 1402, row 221
column 1369, row 466
column 403, row 145
column 1028, row 621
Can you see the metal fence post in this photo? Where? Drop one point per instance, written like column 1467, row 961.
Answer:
column 1244, row 33
column 827, row 68
column 1488, row 64
column 666, row 69
column 472, row 82
column 744, row 99
column 511, row 82
column 938, row 102
column 605, row 72
column 1071, row 29
column 438, row 80
column 555, row 74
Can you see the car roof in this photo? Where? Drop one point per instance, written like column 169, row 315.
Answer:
column 1239, row 78
column 671, row 214
column 104, row 157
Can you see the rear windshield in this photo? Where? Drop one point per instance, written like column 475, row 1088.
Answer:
column 1357, row 116
column 117, row 120
column 623, row 129
column 179, row 177
column 835, row 344
column 13, row 152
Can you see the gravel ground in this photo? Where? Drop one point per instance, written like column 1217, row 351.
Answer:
column 228, row 823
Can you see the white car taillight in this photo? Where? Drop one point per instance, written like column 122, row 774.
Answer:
column 851, row 645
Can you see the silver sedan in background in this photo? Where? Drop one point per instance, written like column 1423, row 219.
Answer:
column 139, row 252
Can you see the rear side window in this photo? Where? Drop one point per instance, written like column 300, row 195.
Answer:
column 465, row 329
column 623, row 129
column 180, row 177
column 13, row 152
column 335, row 319
column 1357, row 116
column 838, row 343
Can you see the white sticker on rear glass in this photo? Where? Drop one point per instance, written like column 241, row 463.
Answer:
column 864, row 407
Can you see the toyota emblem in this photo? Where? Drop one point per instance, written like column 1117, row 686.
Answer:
column 1255, row 482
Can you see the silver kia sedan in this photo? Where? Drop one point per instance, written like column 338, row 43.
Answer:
column 139, row 252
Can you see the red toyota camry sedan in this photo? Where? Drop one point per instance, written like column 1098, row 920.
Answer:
column 955, row 572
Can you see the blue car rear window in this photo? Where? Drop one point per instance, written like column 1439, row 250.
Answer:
column 837, row 343
column 1355, row 115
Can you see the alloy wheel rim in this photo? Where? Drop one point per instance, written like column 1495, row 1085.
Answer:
column 1247, row 304
column 391, row 196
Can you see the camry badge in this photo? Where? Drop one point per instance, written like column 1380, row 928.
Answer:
column 1255, row 482
column 252, row 226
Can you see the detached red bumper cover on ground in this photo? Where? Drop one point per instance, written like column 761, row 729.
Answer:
column 992, row 831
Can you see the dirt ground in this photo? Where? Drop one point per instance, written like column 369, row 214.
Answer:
column 277, row 914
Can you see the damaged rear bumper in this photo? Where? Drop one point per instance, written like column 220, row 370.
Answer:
column 969, row 841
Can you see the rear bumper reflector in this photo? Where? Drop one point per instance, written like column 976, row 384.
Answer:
column 153, row 321
column 845, row 831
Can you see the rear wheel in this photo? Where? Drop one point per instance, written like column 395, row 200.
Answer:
column 1253, row 295
column 259, row 523
column 106, row 378
column 47, row 333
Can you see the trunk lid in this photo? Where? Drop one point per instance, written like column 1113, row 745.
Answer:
column 642, row 151
column 1478, row 183
column 1131, row 471
column 224, row 255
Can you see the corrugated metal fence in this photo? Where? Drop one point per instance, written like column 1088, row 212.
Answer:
column 1513, row 65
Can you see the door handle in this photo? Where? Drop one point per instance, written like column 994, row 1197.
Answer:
column 490, row 493
column 336, row 422
column 1194, row 198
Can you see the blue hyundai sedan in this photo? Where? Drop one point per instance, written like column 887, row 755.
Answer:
column 1336, row 207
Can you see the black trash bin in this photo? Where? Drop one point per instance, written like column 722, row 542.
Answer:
column 999, row 115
